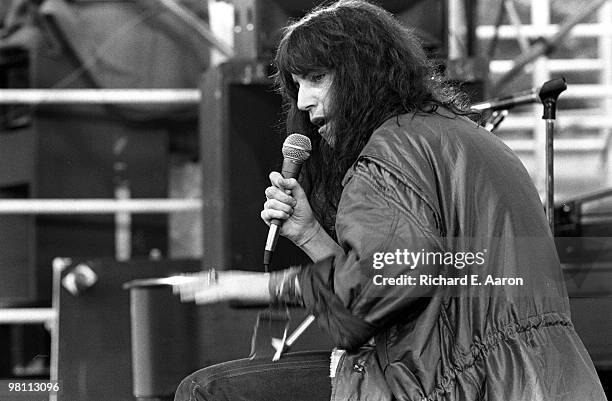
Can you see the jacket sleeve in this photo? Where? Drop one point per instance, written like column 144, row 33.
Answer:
column 381, row 222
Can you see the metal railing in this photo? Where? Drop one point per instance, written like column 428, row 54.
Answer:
column 121, row 208
column 581, row 121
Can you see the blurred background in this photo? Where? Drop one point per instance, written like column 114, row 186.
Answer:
column 136, row 137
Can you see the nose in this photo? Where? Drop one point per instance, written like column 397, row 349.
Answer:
column 306, row 99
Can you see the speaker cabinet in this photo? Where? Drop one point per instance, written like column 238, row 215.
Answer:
column 92, row 339
column 17, row 256
column 258, row 23
column 87, row 151
column 240, row 145
column 111, row 343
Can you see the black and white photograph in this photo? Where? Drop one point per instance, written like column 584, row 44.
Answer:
column 305, row 200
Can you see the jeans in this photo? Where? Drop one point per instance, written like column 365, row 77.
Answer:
column 296, row 376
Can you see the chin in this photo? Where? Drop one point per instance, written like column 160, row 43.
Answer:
column 328, row 137
column 331, row 142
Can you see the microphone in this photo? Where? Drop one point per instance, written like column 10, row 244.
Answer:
column 508, row 102
column 296, row 150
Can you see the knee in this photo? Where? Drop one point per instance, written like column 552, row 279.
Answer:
column 188, row 390
column 198, row 386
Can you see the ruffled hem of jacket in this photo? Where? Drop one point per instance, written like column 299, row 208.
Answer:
column 481, row 348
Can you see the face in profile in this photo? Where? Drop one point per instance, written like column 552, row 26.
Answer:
column 314, row 97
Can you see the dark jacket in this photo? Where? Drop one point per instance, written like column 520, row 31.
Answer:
column 439, row 186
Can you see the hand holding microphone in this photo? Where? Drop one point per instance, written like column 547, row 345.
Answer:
column 286, row 209
column 286, row 203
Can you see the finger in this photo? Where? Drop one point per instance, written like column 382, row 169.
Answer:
column 208, row 295
column 264, row 217
column 275, row 176
column 280, row 195
column 269, row 214
column 273, row 204
column 187, row 296
column 185, row 292
column 192, row 283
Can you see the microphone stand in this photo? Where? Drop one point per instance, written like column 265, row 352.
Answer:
column 549, row 93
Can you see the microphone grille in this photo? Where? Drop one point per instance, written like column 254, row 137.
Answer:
column 297, row 147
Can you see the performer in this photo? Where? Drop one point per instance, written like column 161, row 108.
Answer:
column 434, row 271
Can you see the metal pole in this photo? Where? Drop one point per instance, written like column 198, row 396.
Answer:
column 549, row 93
column 471, row 7
column 97, row 206
column 456, row 30
column 100, row 96
column 192, row 21
column 550, row 173
column 27, row 315
column 123, row 224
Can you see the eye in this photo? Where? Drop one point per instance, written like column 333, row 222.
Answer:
column 316, row 77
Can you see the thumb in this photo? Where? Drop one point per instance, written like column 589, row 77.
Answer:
column 287, row 184
column 296, row 190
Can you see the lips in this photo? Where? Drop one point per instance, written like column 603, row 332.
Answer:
column 318, row 121
column 323, row 129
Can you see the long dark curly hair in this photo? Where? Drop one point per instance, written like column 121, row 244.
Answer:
column 379, row 70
